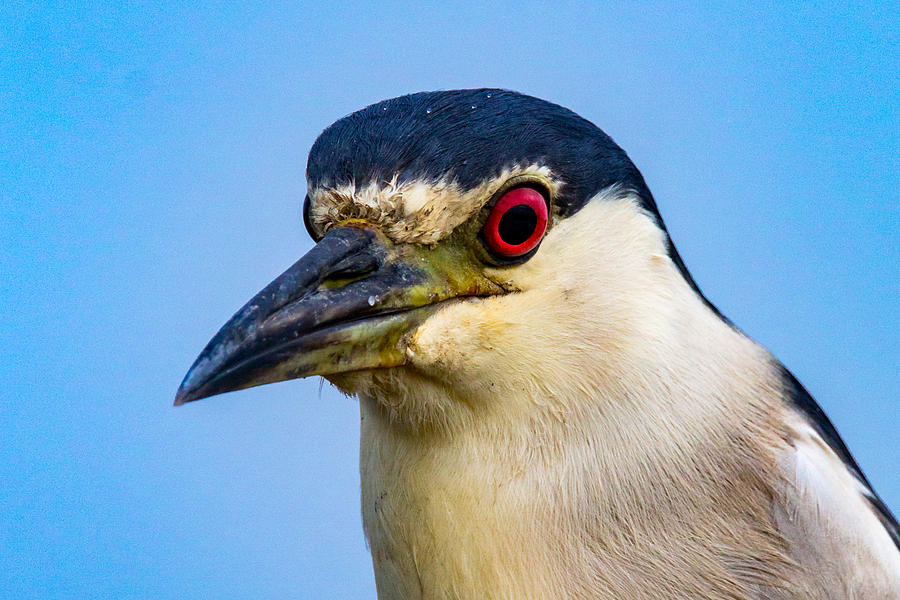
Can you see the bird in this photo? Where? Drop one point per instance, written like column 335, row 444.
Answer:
column 550, row 407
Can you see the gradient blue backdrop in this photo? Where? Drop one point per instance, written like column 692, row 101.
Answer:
column 151, row 174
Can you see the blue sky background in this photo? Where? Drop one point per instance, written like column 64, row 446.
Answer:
column 151, row 175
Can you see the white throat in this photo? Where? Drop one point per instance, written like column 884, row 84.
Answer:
column 577, row 431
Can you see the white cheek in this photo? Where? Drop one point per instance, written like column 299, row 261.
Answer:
column 580, row 301
column 450, row 340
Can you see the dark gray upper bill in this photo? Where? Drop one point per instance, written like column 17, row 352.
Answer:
column 299, row 303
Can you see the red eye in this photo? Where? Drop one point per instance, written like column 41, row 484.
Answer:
column 516, row 223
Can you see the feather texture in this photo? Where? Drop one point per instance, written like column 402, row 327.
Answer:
column 601, row 434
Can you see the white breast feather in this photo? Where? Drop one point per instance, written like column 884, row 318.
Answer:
column 630, row 446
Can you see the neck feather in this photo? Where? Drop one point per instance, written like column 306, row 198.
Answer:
column 568, row 501
column 582, row 436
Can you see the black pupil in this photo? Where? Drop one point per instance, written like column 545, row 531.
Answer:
column 517, row 224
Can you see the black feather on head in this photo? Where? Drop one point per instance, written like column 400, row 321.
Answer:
column 468, row 136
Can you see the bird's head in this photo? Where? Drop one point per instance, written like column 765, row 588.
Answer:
column 478, row 251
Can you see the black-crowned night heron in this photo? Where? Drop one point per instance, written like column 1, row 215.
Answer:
column 550, row 407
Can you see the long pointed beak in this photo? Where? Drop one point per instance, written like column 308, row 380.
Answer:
column 351, row 303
